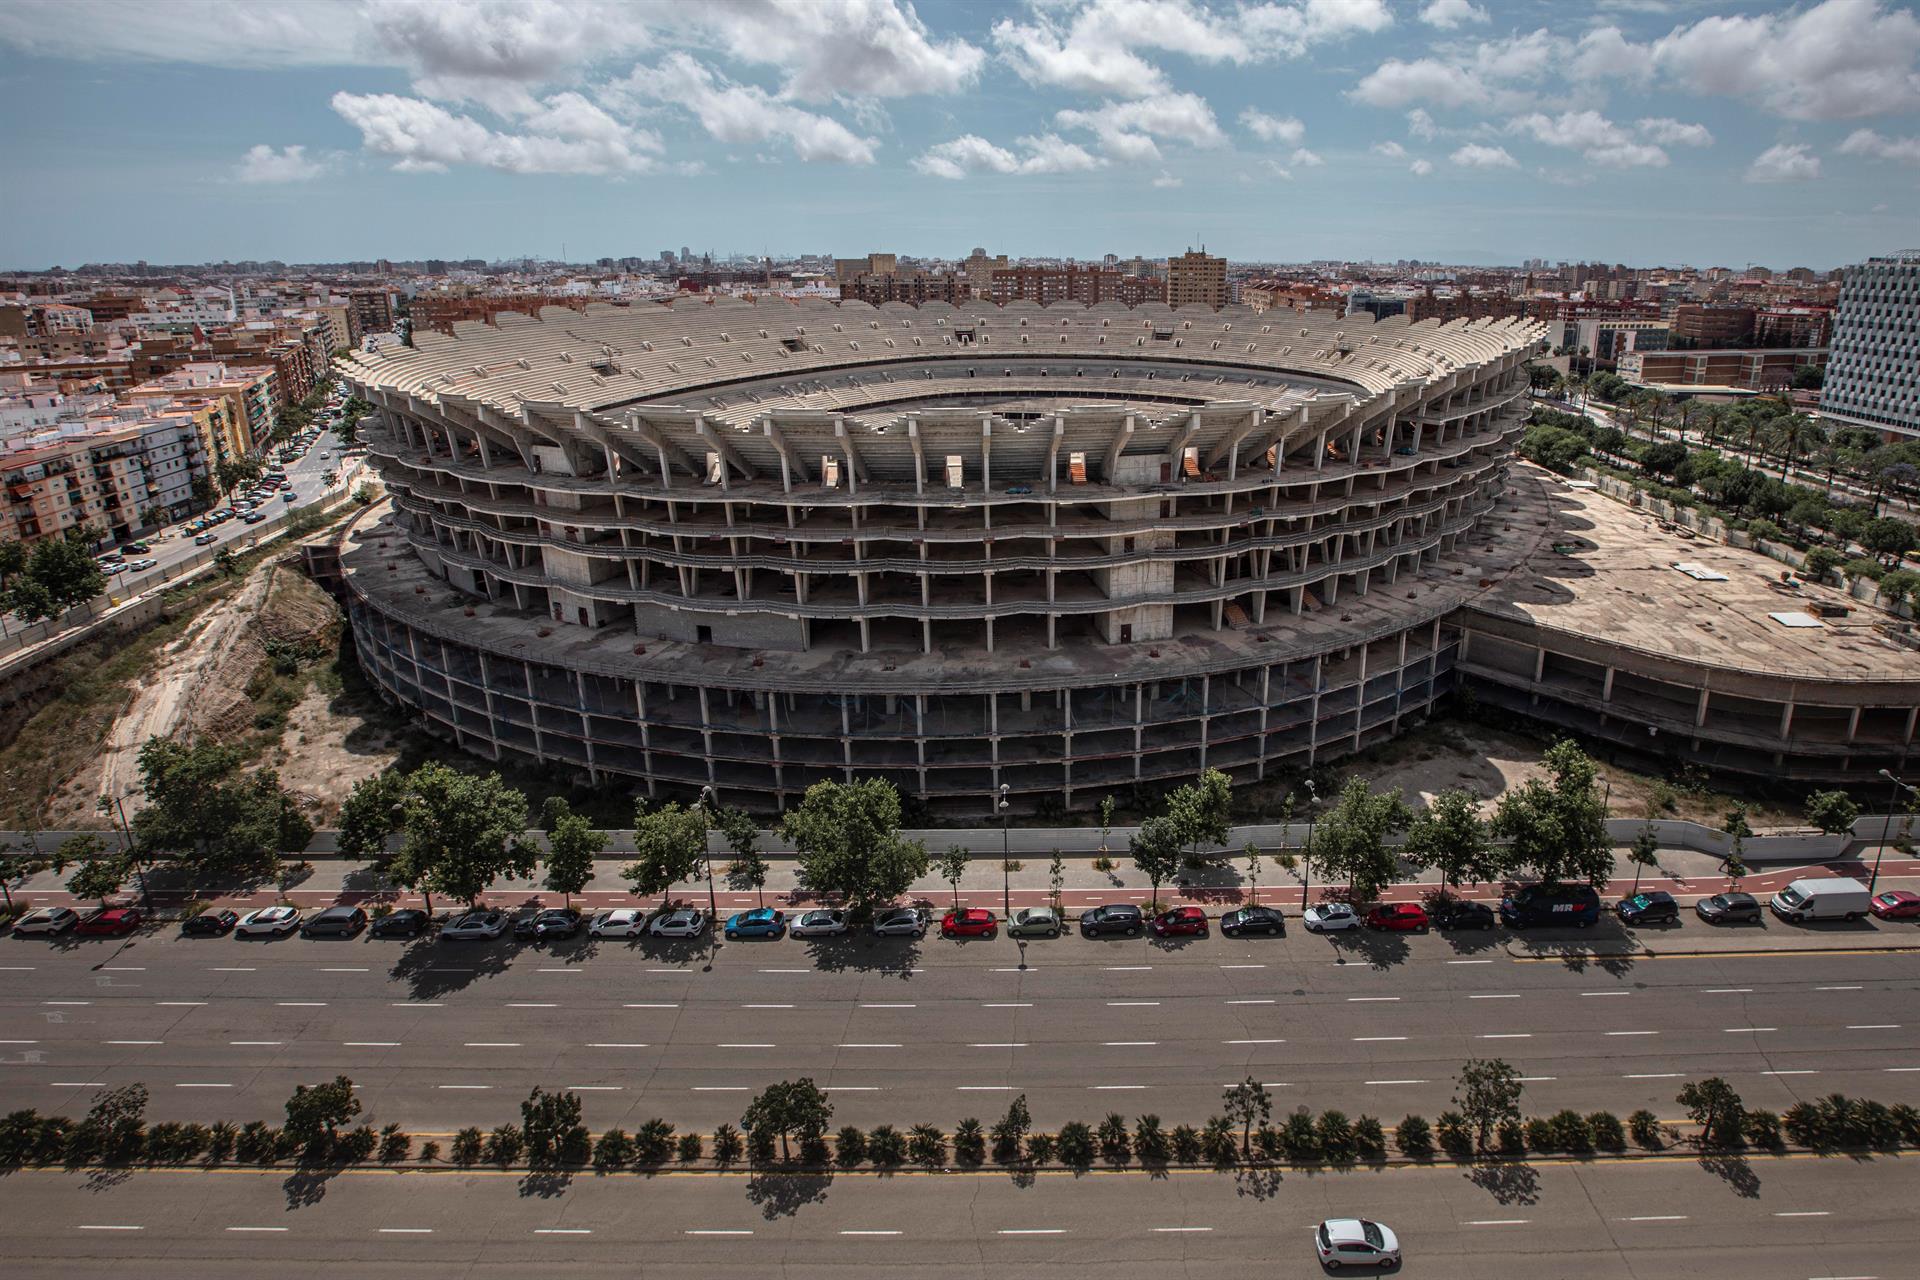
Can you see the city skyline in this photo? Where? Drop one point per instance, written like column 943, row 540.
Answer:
column 1443, row 131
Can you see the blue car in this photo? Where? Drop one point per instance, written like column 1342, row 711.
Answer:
column 763, row 922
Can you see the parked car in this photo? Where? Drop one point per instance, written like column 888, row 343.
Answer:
column 1654, row 907
column 1839, row 898
column 1326, row 917
column 969, row 922
column 820, row 923
column 1729, row 908
column 475, row 926
column 1180, row 922
column 335, row 922
column 1575, row 905
column 1253, row 920
column 621, row 922
column 46, row 921
column 681, row 922
column 900, row 922
column 108, row 922
column 550, row 922
column 1399, row 917
column 761, row 922
column 1355, row 1242
column 1461, row 913
column 135, row 549
column 111, row 567
column 274, row 922
column 1896, row 904
column 1119, row 917
column 206, row 540
column 253, row 517
column 210, row 924
column 288, row 496
column 1034, row 922
column 408, row 922
column 141, row 565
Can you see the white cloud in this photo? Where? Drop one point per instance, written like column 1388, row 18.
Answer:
column 1277, row 169
column 1391, row 150
column 745, row 114
column 1838, row 60
column 1597, row 138
column 1787, row 162
column 1268, row 128
column 572, row 136
column 496, row 52
column 1167, row 181
column 221, row 33
column 969, row 154
column 852, row 48
column 1395, row 83
column 262, row 164
column 1865, row 142
column 1420, row 125
column 1420, row 168
column 1605, row 52
column 1676, row 133
column 1448, row 14
column 1476, row 156
column 1130, row 130
column 1305, row 159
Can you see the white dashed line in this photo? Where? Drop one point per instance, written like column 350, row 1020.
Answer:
column 100, row 1226
column 1128, row 968
column 1127, row 1044
column 533, row 1004
column 1633, row 1033
column 563, row 1231
column 1658, row 1217
column 133, row 1042
column 649, row 1006
column 75, row 1084
column 301, row 1004
column 1514, row 995
column 1803, row 1213
column 721, row 1088
column 179, row 1004
column 1497, row 1222
column 254, row 1044
column 868, row 1045
column 1736, row 1031
column 1506, row 1035
column 1112, row 1088
column 464, row 1088
column 1393, row 1082
column 491, row 1044
column 869, row 1233
column 1854, row 988
column 710, row 1232
column 1375, row 1039
column 1010, row 1004
column 260, row 1230
column 1656, row 1075
column 889, row 1006
column 406, row 1231
column 1789, row 1073
column 1606, row 993
column 1727, row 991
column 1253, row 1042
column 1179, row 1230
column 1373, row 999
column 1469, row 962
column 1250, row 1002
column 1031, row 1231
column 1133, row 1004
column 745, row 1046
column 766, row 1006
column 351, row 971
column 611, row 1044
column 198, row 1085
column 1875, row 1026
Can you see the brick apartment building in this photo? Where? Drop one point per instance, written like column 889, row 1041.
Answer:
column 439, row 312
column 1087, row 286
column 1194, row 277
column 1748, row 370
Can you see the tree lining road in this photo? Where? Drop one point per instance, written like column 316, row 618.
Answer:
column 1663, row 1219
column 441, row 1035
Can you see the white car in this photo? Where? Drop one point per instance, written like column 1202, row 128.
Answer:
column 141, row 565
column 274, row 922
column 47, row 920
column 1355, row 1242
column 621, row 922
column 819, row 924
column 1328, row 916
column 476, row 925
column 683, row 922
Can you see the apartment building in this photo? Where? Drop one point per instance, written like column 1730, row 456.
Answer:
column 121, row 477
column 1873, row 378
column 1745, row 370
column 1195, row 277
column 1088, row 286
column 248, row 394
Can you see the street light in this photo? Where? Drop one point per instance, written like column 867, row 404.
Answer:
column 1886, row 827
column 708, row 802
column 1006, row 874
column 1306, row 854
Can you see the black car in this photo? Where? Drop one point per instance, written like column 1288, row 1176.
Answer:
column 1122, row 917
column 406, row 923
column 1461, row 913
column 1264, row 920
column 554, row 922
column 210, row 924
column 334, row 922
column 1729, row 908
column 1559, row 905
column 1653, row 907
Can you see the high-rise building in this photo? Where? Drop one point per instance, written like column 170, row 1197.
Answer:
column 1873, row 375
column 1196, row 278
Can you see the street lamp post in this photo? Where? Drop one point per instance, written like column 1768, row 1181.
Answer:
column 1306, row 854
column 1006, row 874
column 707, row 801
column 1886, row 828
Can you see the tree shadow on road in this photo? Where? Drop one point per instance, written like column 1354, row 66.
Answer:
column 858, row 953
column 781, row 1195
column 544, row 1184
column 306, row 1186
column 107, row 1177
column 1736, row 1171
column 1258, row 1182
column 1507, row 1183
column 1379, row 949
column 432, row 969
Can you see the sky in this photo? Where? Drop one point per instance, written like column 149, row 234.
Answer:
column 1464, row 131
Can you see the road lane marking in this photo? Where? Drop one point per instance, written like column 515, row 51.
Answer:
column 202, row 1085
column 411, row 1004
column 557, row 971
column 133, row 1042
column 1875, row 1026
column 1010, row 1004
column 260, row 1230
column 721, row 1088
column 124, row 968
column 250, row 1044
column 1373, row 999
column 406, row 1231
column 1128, row 968
column 1031, row 1231
column 1393, row 1082
column 745, row 1046
column 1735, row 1031
column 1127, row 1044
column 533, row 1004
column 1853, row 988
column 301, row 1004
column 232, row 968
column 851, row 1088
column 19, row 1042
column 1253, row 1042
column 869, row 1233
column 1240, row 966
column 713, row 1232
column 1789, row 1073
column 649, row 1006
column 1533, row 1079
column 1133, row 1004
column 563, row 1231
column 998, row 1044
column 179, row 1004
column 1469, row 962
column 67, row 1002
column 766, row 1006
column 1899, row 1069
column 1507, row 995
column 1110, row 1088
column 1506, row 1035
column 353, row 971
column 102, row 1226
column 491, row 1044
column 75, row 1084
column 1803, row 1213
column 1606, row 993
column 1179, row 1230
column 984, row 1088
column 1250, row 1002
column 867, row 1045
column 1497, row 1222
column 1656, row 1075
column 370, row 1044
column 1633, row 1033
column 1374, row 1039
column 616, row 1044
column 464, row 1087
column 596, row 1088
column 889, row 1006
column 1658, row 1217
column 1727, row 991
column 786, row 971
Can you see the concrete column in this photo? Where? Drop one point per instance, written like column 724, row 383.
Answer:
column 1853, row 720
column 1700, row 711
column 1539, row 663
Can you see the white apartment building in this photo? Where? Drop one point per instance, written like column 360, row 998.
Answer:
column 1873, row 373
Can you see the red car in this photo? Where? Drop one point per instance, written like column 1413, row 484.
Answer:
column 968, row 922
column 1190, row 922
column 108, row 922
column 1896, row 904
column 1398, row 917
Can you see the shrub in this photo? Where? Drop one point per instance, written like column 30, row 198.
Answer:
column 1865, row 567
column 18, row 1131
column 1645, row 1129
column 653, row 1143
column 1076, row 1144
column 505, row 1143
column 1186, row 1144
column 1607, row 1131
column 1103, row 863
column 726, row 1145
column 1335, row 1136
column 1820, row 562
column 1414, row 1137
column 1369, row 1140
column 1040, row 1148
column 1873, row 1126
column 1804, row 1124
column 969, row 1142
column 468, row 1144
column 255, row 1143
column 688, row 1148
column 1150, row 1140
column 1453, row 1135
column 51, row 1141
column 1300, row 1140
column 886, row 1146
column 429, row 1152
column 1538, row 1134
column 1760, row 1128
column 220, row 1140
column 1906, row 1123
column 1011, row 1131
column 1511, row 1138
column 813, row 1151
column 613, row 1151
column 1114, row 1145
column 163, row 1143
column 850, row 1146
column 1217, row 1142
column 927, row 1146
column 358, row 1145
column 395, row 1145
column 762, row 1145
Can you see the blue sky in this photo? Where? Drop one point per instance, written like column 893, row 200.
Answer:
column 1642, row 131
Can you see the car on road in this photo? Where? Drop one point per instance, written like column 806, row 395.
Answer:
column 969, row 922
column 408, row 922
column 1326, row 917
column 900, row 922
column 1180, row 922
column 1461, row 913
column 1034, row 922
column 335, row 922
column 46, row 921
column 621, row 922
column 111, row 567
column 819, row 924
column 548, row 922
column 1399, row 917
column 108, row 922
column 681, row 922
column 273, row 922
column 141, row 565
column 1244, row 921
column 1560, row 905
column 1119, row 917
column 289, row 496
column 1355, row 1242
column 253, row 517
column 1896, row 904
column 1729, row 908
column 475, row 926
column 1654, row 907
column 761, row 922
column 135, row 549
column 206, row 540
column 216, row 923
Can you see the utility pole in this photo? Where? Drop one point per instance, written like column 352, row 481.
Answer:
column 1006, row 875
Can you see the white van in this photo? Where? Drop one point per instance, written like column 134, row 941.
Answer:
column 1836, row 899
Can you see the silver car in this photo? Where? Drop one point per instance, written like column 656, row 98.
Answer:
column 1355, row 1242
column 683, row 922
column 819, row 924
column 1325, row 917
column 476, row 924
column 274, row 922
column 901, row 922
column 47, row 920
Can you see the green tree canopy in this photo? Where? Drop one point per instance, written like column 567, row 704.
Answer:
column 1157, row 849
column 1203, row 809
column 316, row 1112
column 1350, row 841
column 1555, row 826
column 1450, row 837
column 1714, row 1106
column 58, row 574
column 847, row 837
column 459, row 832
column 796, row 1107
column 669, row 845
column 952, row 865
column 210, row 815
column 572, row 846
column 1489, row 1093
column 1834, row 812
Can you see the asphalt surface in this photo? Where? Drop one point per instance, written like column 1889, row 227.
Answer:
column 1667, row 1219
column 443, row 1034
